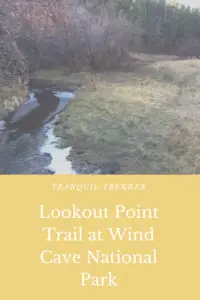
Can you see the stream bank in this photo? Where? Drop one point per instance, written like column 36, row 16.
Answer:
column 27, row 141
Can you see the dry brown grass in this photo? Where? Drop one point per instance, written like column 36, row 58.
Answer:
column 153, row 57
column 145, row 122
column 11, row 98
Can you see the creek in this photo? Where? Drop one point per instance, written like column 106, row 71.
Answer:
column 27, row 141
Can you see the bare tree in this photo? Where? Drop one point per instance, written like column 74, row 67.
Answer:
column 73, row 33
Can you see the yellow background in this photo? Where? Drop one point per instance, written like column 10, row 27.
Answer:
column 176, row 276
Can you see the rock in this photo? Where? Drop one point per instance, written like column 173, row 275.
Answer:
column 44, row 172
column 110, row 168
column 47, row 155
column 104, row 168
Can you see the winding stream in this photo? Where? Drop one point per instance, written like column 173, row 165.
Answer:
column 28, row 145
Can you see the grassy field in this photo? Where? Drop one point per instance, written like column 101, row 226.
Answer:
column 144, row 121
